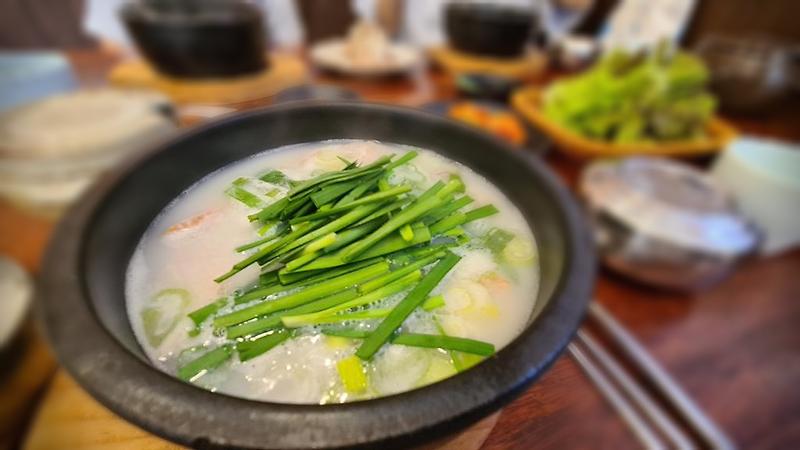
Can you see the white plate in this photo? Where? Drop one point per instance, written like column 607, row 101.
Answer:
column 332, row 55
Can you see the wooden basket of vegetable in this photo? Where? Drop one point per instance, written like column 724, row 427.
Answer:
column 630, row 104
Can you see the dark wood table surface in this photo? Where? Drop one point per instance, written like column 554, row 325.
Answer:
column 735, row 348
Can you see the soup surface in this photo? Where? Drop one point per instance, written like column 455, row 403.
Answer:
column 217, row 333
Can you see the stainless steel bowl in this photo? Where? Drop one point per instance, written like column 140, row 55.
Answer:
column 665, row 223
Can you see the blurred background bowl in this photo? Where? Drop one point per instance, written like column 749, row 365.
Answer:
column 750, row 76
column 52, row 150
column 764, row 176
column 665, row 223
column 486, row 29
column 200, row 38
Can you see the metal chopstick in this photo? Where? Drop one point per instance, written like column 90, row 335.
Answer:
column 673, row 393
column 640, row 428
column 654, row 412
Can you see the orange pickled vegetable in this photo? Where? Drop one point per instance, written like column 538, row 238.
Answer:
column 502, row 124
column 507, row 127
column 470, row 113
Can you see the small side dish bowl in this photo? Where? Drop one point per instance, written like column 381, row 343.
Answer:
column 81, row 295
column 665, row 223
column 487, row 29
column 528, row 102
column 762, row 175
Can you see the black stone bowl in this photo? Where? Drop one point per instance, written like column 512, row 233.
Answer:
column 486, row 29
column 199, row 38
column 81, row 298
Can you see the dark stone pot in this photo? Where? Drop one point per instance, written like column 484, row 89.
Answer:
column 486, row 29
column 198, row 39
column 82, row 304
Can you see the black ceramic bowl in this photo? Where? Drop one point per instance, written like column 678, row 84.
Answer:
column 82, row 303
column 198, row 38
column 487, row 29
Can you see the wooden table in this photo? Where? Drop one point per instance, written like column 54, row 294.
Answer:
column 735, row 348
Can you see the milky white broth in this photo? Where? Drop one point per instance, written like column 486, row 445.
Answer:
column 484, row 300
